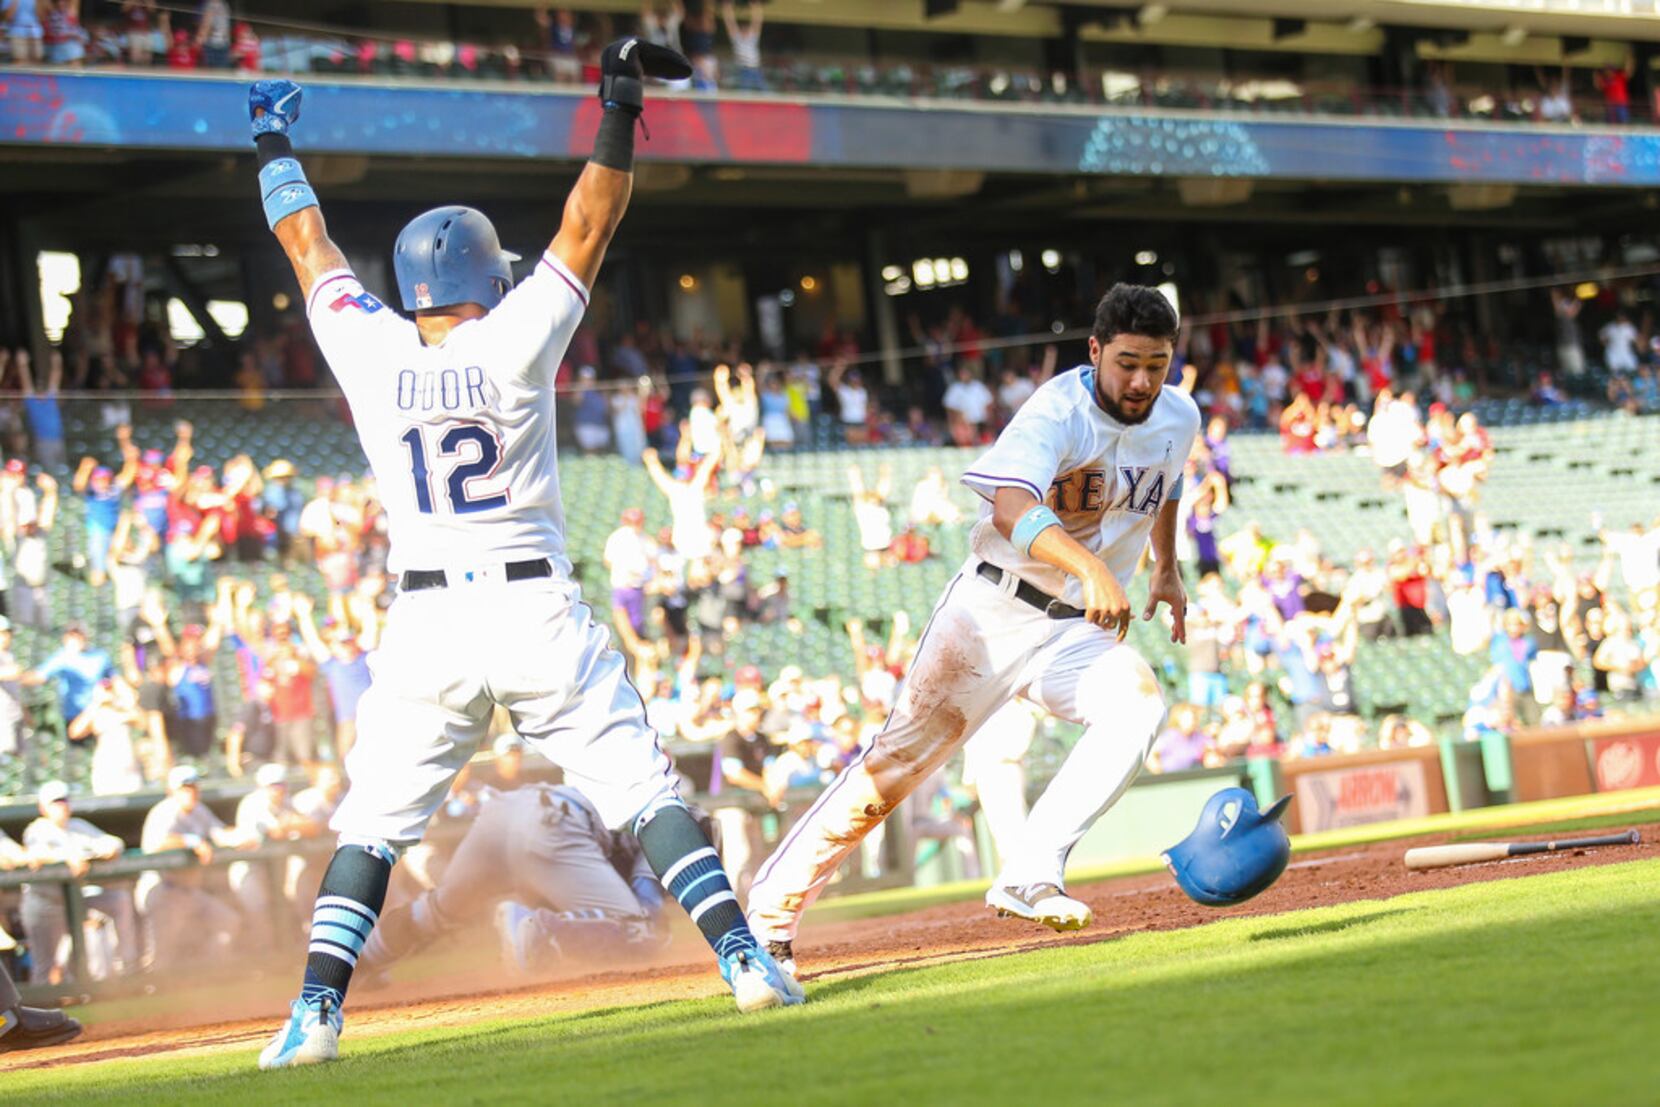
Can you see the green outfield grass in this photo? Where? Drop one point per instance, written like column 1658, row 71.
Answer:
column 1531, row 990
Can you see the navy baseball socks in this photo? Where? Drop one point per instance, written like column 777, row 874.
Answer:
column 348, row 905
column 683, row 858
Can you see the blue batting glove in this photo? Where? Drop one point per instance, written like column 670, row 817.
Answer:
column 274, row 106
column 649, row 893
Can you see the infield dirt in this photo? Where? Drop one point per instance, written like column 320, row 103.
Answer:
column 444, row 991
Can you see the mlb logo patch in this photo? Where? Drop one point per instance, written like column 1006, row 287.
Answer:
column 363, row 301
column 423, row 295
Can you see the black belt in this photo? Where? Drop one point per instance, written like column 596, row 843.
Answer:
column 1031, row 595
column 414, row 580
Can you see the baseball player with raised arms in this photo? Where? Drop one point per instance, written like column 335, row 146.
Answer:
column 455, row 409
column 1087, row 471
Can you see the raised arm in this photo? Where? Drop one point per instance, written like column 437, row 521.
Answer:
column 221, row 617
column 1047, row 368
column 291, row 208
column 654, row 470
column 856, row 638
column 303, row 619
column 705, row 470
column 596, row 205
column 178, row 459
column 47, row 513
column 899, row 643
column 723, row 385
column 123, row 530
column 129, row 457
column 25, row 373
column 154, row 614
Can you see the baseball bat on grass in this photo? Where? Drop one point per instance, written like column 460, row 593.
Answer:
column 1469, row 853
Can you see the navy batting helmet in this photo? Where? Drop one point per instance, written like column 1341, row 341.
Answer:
column 449, row 256
column 1235, row 852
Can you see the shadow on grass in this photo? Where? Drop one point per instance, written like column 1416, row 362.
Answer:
column 1330, row 926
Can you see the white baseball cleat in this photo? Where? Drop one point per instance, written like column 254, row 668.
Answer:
column 309, row 1037
column 1041, row 903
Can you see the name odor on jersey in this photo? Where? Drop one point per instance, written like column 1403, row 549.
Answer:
column 442, row 389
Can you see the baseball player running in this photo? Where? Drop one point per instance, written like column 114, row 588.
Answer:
column 1087, row 470
column 455, row 409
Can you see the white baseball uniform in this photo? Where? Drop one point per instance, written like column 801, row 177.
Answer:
column 994, row 765
column 983, row 645
column 460, row 436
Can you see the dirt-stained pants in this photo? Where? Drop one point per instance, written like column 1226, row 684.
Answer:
column 981, row 647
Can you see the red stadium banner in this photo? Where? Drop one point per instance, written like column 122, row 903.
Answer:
column 1632, row 761
column 1328, row 799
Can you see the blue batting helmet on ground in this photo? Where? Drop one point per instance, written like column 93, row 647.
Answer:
column 1235, row 852
column 449, row 256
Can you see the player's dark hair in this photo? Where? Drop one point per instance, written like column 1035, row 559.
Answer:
column 1134, row 309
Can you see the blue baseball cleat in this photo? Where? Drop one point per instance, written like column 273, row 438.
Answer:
column 758, row 982
column 310, row 1037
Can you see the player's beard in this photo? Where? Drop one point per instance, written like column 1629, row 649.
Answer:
column 1109, row 406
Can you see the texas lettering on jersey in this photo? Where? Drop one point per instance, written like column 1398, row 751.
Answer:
column 1143, row 493
column 1107, row 481
column 1080, row 492
column 1084, row 492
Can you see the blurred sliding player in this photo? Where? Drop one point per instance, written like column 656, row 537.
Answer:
column 455, row 409
column 1084, row 475
column 562, row 883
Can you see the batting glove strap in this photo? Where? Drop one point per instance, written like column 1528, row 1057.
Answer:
column 621, row 90
column 284, row 190
column 270, row 125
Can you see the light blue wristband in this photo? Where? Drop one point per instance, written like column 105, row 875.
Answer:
column 1030, row 525
column 284, row 190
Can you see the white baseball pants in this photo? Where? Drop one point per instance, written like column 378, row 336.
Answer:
column 447, row 657
column 981, row 647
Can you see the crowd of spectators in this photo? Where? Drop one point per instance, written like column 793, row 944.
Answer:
column 725, row 43
column 181, row 917
column 1285, row 618
column 190, row 562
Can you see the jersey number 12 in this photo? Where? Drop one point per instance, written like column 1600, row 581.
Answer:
column 457, row 440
